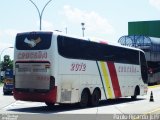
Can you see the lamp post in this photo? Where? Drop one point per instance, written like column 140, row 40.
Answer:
column 40, row 13
column 0, row 59
column 83, row 28
column 66, row 29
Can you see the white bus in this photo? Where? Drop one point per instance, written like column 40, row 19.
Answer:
column 54, row 68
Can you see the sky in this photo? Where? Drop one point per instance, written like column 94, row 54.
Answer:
column 106, row 20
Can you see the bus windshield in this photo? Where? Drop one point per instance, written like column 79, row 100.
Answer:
column 33, row 41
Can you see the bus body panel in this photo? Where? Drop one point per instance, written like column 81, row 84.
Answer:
column 74, row 78
column 34, row 71
column 70, row 76
column 49, row 97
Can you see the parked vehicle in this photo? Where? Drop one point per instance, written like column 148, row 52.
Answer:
column 8, row 82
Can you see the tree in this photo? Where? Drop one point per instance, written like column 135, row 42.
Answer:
column 7, row 63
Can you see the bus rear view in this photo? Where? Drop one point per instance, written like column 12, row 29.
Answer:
column 55, row 68
column 33, row 78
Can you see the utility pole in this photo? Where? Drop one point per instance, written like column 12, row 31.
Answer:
column 66, row 30
column 83, row 28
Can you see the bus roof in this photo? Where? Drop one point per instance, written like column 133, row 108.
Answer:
column 116, row 44
column 57, row 33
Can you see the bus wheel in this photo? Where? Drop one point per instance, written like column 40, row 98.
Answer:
column 50, row 105
column 84, row 99
column 95, row 98
column 136, row 92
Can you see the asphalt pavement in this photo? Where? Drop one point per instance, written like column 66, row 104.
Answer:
column 5, row 100
column 123, row 108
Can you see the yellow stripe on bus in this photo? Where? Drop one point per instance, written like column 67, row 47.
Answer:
column 106, row 77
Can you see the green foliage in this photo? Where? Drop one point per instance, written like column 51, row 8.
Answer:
column 7, row 63
column 1, row 83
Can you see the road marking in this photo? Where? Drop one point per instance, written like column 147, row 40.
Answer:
column 153, row 111
column 8, row 105
column 150, row 113
column 155, row 86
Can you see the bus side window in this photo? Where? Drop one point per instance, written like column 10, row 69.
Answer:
column 144, row 70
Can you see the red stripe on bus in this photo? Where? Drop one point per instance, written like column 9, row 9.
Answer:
column 114, row 79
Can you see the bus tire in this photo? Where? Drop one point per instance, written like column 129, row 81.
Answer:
column 136, row 92
column 95, row 98
column 84, row 99
column 5, row 93
column 50, row 105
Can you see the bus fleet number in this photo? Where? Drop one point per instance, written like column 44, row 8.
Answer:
column 78, row 67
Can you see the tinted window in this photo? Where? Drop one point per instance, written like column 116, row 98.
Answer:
column 82, row 49
column 144, row 69
column 33, row 41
